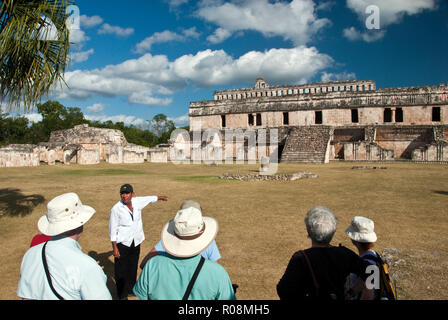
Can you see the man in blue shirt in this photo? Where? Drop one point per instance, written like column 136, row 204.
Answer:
column 72, row 275
column 167, row 275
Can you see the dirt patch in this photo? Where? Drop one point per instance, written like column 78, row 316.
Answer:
column 418, row 274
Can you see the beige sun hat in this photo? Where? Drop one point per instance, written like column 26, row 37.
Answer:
column 361, row 229
column 189, row 233
column 64, row 213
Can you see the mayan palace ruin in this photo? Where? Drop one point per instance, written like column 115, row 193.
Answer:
column 315, row 122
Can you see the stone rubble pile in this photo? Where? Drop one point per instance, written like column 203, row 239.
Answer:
column 265, row 177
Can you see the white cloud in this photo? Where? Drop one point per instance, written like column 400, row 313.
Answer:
column 78, row 37
column 165, row 36
column 219, row 36
column 80, row 56
column 95, row 108
column 158, row 37
column 176, row 3
column 369, row 36
column 390, row 12
column 118, row 31
column 338, row 76
column 181, row 121
column 146, row 99
column 127, row 120
column 33, row 117
column 295, row 21
column 208, row 68
column 90, row 22
column 146, row 79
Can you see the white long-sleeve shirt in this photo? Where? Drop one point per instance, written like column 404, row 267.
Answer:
column 126, row 226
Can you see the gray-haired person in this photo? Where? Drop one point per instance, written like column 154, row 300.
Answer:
column 320, row 272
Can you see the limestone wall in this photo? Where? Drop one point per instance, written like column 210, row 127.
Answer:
column 432, row 152
column 364, row 151
column 83, row 134
column 19, row 156
column 158, row 156
column 407, row 106
column 88, row 156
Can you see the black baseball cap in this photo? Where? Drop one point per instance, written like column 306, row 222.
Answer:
column 126, row 188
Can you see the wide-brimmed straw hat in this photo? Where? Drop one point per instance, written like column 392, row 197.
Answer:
column 64, row 213
column 189, row 233
column 361, row 229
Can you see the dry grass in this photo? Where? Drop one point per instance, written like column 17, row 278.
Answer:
column 260, row 223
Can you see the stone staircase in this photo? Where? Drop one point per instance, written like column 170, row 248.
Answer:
column 307, row 144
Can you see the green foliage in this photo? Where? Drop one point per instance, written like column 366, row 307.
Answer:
column 162, row 127
column 55, row 116
column 13, row 130
column 34, row 47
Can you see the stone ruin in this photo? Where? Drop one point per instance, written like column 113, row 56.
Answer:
column 335, row 120
column 81, row 145
column 273, row 177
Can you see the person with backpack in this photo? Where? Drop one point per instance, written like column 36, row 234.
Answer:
column 181, row 272
column 57, row 268
column 362, row 234
column 320, row 272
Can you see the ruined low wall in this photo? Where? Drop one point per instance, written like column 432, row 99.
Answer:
column 86, row 156
column 19, row 156
column 365, row 151
column 158, row 156
column 432, row 152
column 133, row 157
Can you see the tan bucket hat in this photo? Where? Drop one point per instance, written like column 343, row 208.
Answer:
column 64, row 213
column 189, row 233
column 361, row 229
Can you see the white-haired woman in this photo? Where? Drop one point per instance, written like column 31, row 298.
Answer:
column 321, row 271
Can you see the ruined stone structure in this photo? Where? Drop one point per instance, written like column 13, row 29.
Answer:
column 82, row 145
column 319, row 122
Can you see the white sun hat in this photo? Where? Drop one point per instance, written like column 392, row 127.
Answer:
column 64, row 213
column 361, row 229
column 189, row 233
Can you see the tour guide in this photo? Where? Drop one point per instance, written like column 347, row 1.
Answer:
column 126, row 234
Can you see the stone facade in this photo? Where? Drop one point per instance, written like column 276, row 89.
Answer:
column 360, row 121
column 82, row 145
column 14, row 155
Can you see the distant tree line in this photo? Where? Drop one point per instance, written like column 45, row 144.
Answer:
column 55, row 116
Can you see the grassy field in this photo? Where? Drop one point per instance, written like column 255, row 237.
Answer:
column 260, row 223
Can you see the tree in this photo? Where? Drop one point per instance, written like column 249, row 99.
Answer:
column 162, row 127
column 13, row 130
column 31, row 58
column 56, row 116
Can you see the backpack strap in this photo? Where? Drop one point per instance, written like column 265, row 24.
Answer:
column 373, row 257
column 47, row 273
column 193, row 279
column 316, row 284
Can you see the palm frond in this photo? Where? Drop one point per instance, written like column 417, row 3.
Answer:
column 30, row 59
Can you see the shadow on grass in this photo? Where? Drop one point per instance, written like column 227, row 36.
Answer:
column 445, row 193
column 16, row 204
column 108, row 268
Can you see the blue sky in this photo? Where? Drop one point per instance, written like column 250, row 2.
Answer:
column 132, row 60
